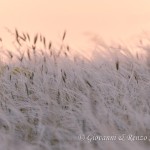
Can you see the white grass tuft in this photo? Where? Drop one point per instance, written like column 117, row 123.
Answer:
column 50, row 96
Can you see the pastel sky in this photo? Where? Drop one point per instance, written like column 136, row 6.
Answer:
column 107, row 18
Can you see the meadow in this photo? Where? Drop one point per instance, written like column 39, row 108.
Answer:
column 53, row 98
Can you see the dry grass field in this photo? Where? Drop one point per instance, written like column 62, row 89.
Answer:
column 52, row 98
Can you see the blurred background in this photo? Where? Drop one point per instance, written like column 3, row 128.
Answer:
column 110, row 19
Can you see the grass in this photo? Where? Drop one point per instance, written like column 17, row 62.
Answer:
column 49, row 96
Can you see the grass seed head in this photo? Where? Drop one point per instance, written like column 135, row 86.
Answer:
column 35, row 38
column 117, row 65
column 64, row 35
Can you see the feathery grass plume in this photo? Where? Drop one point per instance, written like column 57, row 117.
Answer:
column 88, row 83
column 35, row 38
column 117, row 65
column 63, row 75
column 27, row 90
column 10, row 77
column 75, row 93
column 64, row 35
column 136, row 76
column 10, row 54
column 64, row 78
column 58, row 97
column 28, row 53
column 22, row 70
column 24, row 36
column 44, row 42
column 17, row 37
column 28, row 36
column 66, row 54
column 16, row 85
column 32, row 75
column 49, row 45
column 68, row 48
column 42, row 68
column 33, row 48
column 17, row 34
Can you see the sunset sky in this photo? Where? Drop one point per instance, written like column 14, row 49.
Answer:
column 107, row 18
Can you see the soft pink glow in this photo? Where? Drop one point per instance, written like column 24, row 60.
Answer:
column 107, row 18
